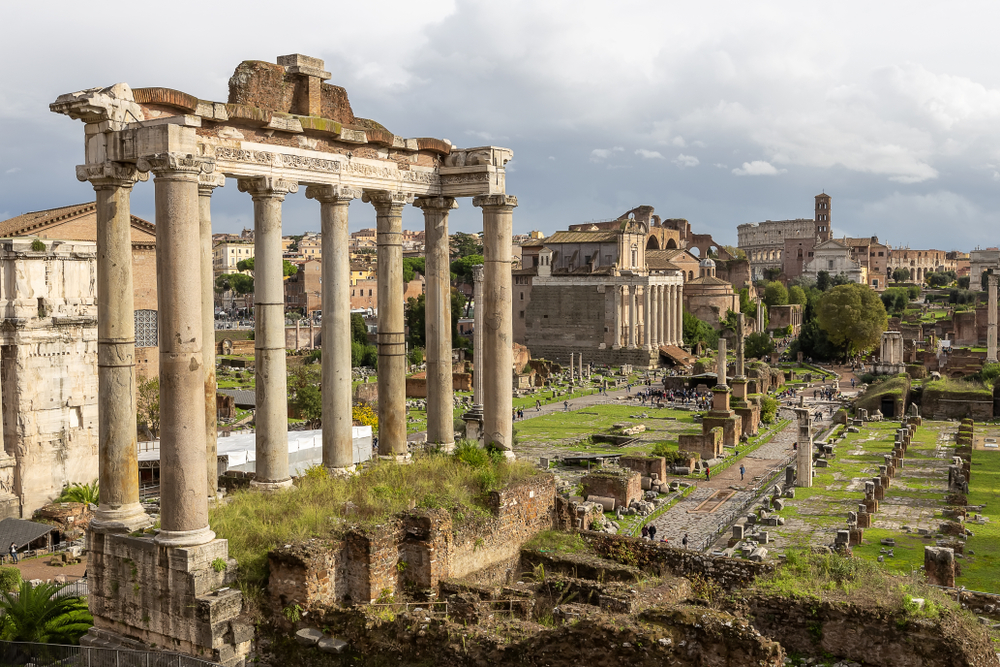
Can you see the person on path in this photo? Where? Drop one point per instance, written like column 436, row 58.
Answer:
column 565, row 406
column 645, row 532
column 742, row 471
column 708, row 473
column 652, row 533
column 13, row 552
column 685, row 541
column 538, row 405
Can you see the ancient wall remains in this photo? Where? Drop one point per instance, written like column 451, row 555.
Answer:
column 413, row 551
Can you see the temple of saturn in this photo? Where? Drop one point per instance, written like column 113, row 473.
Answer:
column 282, row 128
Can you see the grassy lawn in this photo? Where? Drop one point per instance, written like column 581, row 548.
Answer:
column 980, row 571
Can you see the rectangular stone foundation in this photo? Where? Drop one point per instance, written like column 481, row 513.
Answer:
column 168, row 598
column 730, row 423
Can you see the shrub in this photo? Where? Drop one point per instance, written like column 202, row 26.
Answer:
column 80, row 493
column 768, row 409
column 365, row 415
column 38, row 245
column 10, row 578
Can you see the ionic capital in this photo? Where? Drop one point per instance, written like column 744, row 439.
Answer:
column 267, row 187
column 110, row 174
column 435, row 203
column 387, row 202
column 162, row 164
column 332, row 194
column 495, row 201
column 993, row 279
column 208, row 182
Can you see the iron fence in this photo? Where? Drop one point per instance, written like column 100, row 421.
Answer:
column 52, row 655
column 31, row 553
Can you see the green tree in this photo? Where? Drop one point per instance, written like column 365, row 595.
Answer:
column 747, row 305
column 940, row 278
column 895, row 300
column 758, row 344
column 963, row 282
column 984, row 280
column 147, row 405
column 901, row 274
column 772, row 273
column 359, row 330
column 457, row 307
column 463, row 245
column 416, row 320
column 797, row 295
column 853, row 317
column 775, row 294
column 462, row 267
column 696, row 331
column 80, row 493
column 823, row 281
column 735, row 253
column 309, row 401
column 37, row 614
column 411, row 267
column 287, row 268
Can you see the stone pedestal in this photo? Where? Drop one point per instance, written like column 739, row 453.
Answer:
column 939, row 566
column 143, row 594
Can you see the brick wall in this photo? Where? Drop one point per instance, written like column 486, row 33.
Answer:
column 646, row 465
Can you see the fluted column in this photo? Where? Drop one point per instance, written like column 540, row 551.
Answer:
column 338, row 447
column 271, row 417
column 647, row 321
column 206, row 185
column 651, row 321
column 118, row 468
column 391, row 337
column 437, row 330
column 661, row 314
column 616, row 341
column 679, row 314
column 631, row 316
column 498, row 336
column 183, row 478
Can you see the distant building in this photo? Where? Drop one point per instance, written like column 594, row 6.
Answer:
column 765, row 242
column 303, row 288
column 835, row 257
column 921, row 262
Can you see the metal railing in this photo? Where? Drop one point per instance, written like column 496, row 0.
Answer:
column 31, row 553
column 50, row 655
column 758, row 488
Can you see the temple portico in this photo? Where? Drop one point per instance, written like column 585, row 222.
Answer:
column 282, row 129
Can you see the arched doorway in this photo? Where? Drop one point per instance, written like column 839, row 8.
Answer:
column 652, row 243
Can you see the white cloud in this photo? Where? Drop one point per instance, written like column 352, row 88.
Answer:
column 650, row 155
column 13, row 170
column 683, row 161
column 599, row 154
column 758, row 168
column 552, row 157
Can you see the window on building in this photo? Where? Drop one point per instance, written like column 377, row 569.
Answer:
column 145, row 328
column 521, row 314
column 369, row 292
column 829, row 265
column 522, row 296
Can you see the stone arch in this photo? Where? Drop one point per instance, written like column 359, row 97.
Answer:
column 652, row 243
column 696, row 251
column 671, row 245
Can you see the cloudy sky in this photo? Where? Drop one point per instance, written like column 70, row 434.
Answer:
column 718, row 112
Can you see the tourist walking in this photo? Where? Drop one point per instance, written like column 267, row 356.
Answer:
column 708, row 473
column 645, row 532
column 565, row 406
column 13, row 552
column 684, row 542
column 652, row 533
column 742, row 471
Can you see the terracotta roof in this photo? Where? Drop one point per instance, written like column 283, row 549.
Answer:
column 708, row 280
column 30, row 224
column 581, row 237
column 660, row 259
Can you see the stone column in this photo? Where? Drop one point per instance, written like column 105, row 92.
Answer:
column 617, row 339
column 118, row 468
column 440, row 390
column 720, row 363
column 183, row 478
column 652, row 320
column 335, row 331
column 391, row 336
column 580, row 361
column 206, row 185
column 632, row 298
column 498, row 359
column 760, row 315
column 668, row 315
column 991, row 330
column 803, row 455
column 647, row 320
column 477, row 341
column 679, row 315
column 739, row 345
column 572, row 366
column 271, row 418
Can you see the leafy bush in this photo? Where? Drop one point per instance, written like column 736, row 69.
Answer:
column 80, row 493
column 10, row 578
column 365, row 415
column 758, row 344
column 768, row 409
column 38, row 245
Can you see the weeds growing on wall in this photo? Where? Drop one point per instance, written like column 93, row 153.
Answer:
column 321, row 505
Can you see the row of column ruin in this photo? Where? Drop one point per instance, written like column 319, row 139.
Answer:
column 662, row 316
column 183, row 189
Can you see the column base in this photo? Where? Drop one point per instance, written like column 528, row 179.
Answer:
column 184, row 538
column 509, row 455
column 444, row 447
column 397, row 458
column 125, row 519
column 271, row 486
column 344, row 471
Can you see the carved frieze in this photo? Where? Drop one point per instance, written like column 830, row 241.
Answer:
column 176, row 162
column 309, row 163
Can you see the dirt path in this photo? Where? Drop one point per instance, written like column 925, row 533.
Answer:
column 38, row 568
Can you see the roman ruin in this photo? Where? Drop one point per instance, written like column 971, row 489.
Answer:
column 281, row 128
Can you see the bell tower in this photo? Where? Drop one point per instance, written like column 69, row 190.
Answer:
column 824, row 227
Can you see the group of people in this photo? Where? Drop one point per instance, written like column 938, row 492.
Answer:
column 649, row 533
column 658, row 397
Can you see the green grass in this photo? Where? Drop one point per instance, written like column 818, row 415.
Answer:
column 255, row 523
column 980, row 571
column 557, row 541
column 565, row 429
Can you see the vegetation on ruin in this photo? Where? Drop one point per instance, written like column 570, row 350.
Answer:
column 982, row 552
column 958, row 389
column 320, row 505
column 35, row 613
column 895, row 387
column 80, row 493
